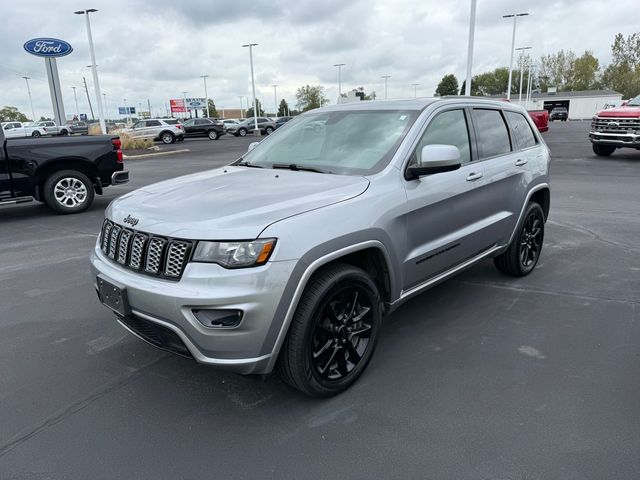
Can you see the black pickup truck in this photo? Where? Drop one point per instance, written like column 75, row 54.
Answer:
column 62, row 172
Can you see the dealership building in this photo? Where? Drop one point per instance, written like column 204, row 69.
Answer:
column 581, row 104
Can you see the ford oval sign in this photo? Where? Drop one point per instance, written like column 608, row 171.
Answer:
column 48, row 47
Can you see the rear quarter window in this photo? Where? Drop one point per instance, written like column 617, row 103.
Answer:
column 521, row 129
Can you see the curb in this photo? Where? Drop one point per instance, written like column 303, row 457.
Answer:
column 145, row 155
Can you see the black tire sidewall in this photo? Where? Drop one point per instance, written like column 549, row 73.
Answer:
column 212, row 134
column 49, row 197
column 164, row 134
column 242, row 132
column 320, row 291
column 268, row 130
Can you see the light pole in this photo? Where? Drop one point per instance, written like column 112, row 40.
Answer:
column 256, row 131
column 128, row 111
column 339, row 65
column 241, row 97
column 75, row 97
column 529, row 85
column 106, row 110
column 94, row 70
column 415, row 89
column 206, row 96
column 184, row 102
column 33, row 112
column 472, row 28
column 386, row 78
column 275, row 100
column 513, row 44
column 521, row 49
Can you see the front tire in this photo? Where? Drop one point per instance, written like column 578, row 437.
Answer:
column 167, row 138
column 333, row 332
column 68, row 191
column 268, row 130
column 35, row 134
column 603, row 150
column 242, row 132
column 524, row 251
column 213, row 135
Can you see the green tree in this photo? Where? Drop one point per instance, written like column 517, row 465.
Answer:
column 12, row 114
column 493, row 83
column 585, row 72
column 448, row 85
column 623, row 74
column 259, row 109
column 213, row 113
column 283, row 108
column 557, row 70
column 310, row 97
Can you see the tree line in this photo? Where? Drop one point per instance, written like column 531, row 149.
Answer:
column 564, row 70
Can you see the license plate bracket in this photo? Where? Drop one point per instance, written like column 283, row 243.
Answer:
column 113, row 296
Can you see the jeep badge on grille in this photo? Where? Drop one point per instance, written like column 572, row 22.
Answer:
column 133, row 221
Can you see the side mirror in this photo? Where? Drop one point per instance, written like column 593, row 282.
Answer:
column 252, row 145
column 436, row 159
column 624, row 104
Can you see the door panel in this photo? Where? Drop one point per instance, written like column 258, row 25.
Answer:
column 447, row 213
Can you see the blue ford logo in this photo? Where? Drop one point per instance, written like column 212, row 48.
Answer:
column 48, row 47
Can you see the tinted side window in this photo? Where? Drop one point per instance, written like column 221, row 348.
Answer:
column 521, row 129
column 492, row 133
column 153, row 123
column 202, row 122
column 447, row 128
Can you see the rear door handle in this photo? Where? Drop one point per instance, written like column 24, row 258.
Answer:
column 521, row 161
column 473, row 176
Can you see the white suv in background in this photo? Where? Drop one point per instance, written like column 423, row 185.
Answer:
column 167, row 130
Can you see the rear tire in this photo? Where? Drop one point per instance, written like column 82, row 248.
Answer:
column 35, row 134
column 167, row 138
column 603, row 150
column 268, row 130
column 524, row 251
column 242, row 132
column 212, row 134
column 333, row 332
column 68, row 191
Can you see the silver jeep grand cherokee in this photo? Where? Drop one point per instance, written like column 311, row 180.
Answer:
column 291, row 256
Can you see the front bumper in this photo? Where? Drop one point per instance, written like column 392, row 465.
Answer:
column 255, row 291
column 621, row 139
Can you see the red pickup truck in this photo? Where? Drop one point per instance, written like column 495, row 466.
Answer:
column 540, row 118
column 616, row 128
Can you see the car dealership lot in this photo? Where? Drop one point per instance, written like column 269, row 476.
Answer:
column 481, row 377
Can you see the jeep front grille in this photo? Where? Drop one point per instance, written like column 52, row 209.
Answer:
column 153, row 255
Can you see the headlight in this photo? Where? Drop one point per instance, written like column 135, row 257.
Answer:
column 235, row 254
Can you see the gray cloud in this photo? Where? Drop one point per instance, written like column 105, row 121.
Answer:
column 158, row 49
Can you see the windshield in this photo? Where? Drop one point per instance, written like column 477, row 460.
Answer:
column 634, row 102
column 343, row 142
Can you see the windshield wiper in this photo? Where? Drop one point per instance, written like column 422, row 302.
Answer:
column 296, row 167
column 247, row 164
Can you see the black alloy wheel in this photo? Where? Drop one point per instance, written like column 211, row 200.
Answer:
column 531, row 241
column 342, row 332
column 333, row 333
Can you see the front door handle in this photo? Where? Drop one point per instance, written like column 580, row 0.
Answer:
column 473, row 176
column 521, row 161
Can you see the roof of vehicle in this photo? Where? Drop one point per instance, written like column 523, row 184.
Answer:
column 414, row 103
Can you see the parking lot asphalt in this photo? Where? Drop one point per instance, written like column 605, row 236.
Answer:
column 482, row 377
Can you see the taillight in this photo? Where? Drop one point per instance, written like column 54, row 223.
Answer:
column 179, row 126
column 117, row 146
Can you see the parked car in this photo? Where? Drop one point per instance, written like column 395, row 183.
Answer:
column 20, row 130
column 617, row 127
column 63, row 173
column 48, row 127
column 289, row 257
column 559, row 113
column 166, row 130
column 540, row 119
column 204, row 127
column 80, row 128
column 282, row 120
column 229, row 122
column 265, row 125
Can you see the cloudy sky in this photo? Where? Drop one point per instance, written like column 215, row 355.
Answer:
column 157, row 49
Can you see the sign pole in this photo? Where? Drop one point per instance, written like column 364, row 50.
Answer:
column 54, row 89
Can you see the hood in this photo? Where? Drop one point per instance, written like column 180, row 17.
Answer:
column 231, row 203
column 621, row 112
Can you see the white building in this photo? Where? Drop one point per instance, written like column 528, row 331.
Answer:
column 581, row 104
